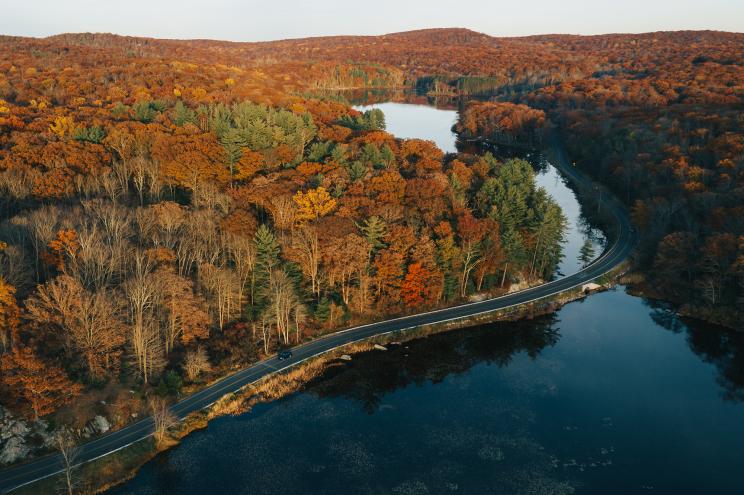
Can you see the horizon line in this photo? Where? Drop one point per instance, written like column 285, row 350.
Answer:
column 299, row 38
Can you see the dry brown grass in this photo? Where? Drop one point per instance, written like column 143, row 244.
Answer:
column 280, row 385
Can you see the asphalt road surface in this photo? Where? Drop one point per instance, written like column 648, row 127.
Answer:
column 614, row 254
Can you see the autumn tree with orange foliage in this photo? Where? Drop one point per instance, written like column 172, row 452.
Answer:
column 38, row 385
column 63, row 247
column 190, row 161
column 502, row 122
column 189, row 168
column 417, row 289
column 9, row 315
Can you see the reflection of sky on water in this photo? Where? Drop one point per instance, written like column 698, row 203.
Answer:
column 407, row 120
column 420, row 122
column 610, row 395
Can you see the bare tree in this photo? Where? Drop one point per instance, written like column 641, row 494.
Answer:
column 14, row 185
column 166, row 221
column 140, row 291
column 182, row 314
column 121, row 176
column 138, row 168
column 306, row 249
column 196, row 363
column 42, row 226
column 265, row 322
column 16, row 267
column 282, row 209
column 92, row 264
column 209, row 197
column 242, row 254
column 90, row 321
column 221, row 288
column 115, row 220
column 66, row 444
column 162, row 418
column 109, row 183
column 283, row 302
column 470, row 258
column 154, row 180
column 300, row 316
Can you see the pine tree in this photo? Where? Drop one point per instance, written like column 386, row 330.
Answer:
column 587, row 252
column 233, row 141
column 323, row 309
column 183, row 115
column 357, row 170
column 387, row 156
column 374, row 229
column 267, row 252
column 516, row 255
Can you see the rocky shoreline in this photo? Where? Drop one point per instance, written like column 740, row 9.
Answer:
column 22, row 439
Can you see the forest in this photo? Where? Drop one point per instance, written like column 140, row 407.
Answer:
column 167, row 219
column 172, row 210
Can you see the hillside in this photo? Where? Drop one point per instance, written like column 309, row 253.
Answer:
column 173, row 209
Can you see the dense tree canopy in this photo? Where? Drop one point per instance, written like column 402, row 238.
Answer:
column 184, row 206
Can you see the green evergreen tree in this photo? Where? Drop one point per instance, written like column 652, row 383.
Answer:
column 144, row 111
column 318, row 151
column 357, row 170
column 267, row 253
column 233, row 141
column 323, row 309
column 387, row 156
column 374, row 230
column 93, row 134
column 370, row 155
column 515, row 252
column 586, row 253
column 338, row 153
column 374, row 120
column 120, row 111
column 182, row 114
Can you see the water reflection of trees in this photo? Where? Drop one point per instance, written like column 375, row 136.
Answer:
column 725, row 350
column 372, row 375
column 719, row 346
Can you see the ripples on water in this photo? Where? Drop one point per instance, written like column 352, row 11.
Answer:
column 613, row 394
column 598, row 398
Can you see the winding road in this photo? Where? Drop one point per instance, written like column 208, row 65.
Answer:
column 617, row 252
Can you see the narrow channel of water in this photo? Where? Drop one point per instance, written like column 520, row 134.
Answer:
column 427, row 122
column 613, row 394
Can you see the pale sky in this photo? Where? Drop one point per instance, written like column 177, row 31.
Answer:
column 252, row 20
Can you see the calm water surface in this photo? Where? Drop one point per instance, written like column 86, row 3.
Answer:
column 613, row 394
column 435, row 124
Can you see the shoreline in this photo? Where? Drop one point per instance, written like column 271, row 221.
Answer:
column 527, row 303
column 522, row 307
column 103, row 474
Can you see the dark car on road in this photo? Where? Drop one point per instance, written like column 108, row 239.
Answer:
column 284, row 354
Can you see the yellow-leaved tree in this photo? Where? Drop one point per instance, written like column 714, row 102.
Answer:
column 62, row 126
column 313, row 204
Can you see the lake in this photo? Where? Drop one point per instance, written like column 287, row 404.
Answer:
column 613, row 394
